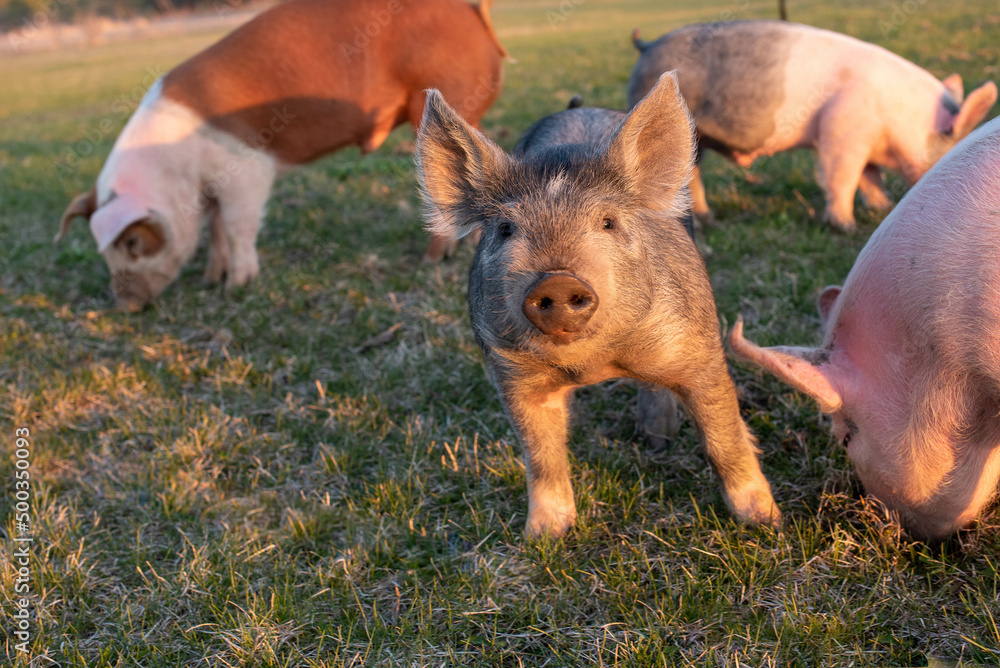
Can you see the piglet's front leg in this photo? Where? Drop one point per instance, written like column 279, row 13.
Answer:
column 731, row 448
column 541, row 419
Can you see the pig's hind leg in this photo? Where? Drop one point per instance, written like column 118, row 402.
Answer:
column 873, row 190
column 699, row 198
column 658, row 415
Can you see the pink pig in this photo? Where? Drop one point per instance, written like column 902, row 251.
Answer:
column 910, row 364
column 757, row 88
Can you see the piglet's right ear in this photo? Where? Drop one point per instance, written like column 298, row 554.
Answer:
column 455, row 162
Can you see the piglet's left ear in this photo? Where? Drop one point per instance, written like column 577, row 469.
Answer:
column 109, row 221
column 83, row 206
column 654, row 147
column 827, row 300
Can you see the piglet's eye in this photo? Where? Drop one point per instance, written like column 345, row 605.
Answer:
column 506, row 229
column 847, row 440
column 609, row 223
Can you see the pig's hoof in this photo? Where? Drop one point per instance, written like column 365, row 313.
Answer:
column 878, row 204
column 845, row 228
column 554, row 523
column 755, row 505
column 241, row 276
column 215, row 272
column 841, row 224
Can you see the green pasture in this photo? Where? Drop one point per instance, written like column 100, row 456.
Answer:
column 223, row 479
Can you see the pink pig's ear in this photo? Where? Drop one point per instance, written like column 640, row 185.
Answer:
column 953, row 84
column 825, row 303
column 112, row 219
column 974, row 109
column 799, row 367
column 82, row 206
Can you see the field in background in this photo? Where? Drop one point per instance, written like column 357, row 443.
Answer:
column 221, row 480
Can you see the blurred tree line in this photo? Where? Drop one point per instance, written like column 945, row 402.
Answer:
column 18, row 13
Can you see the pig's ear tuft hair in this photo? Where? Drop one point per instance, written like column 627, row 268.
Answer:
column 83, row 205
column 455, row 164
column 974, row 109
column 953, row 84
column 805, row 369
column 654, row 147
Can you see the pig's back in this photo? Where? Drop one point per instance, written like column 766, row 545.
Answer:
column 753, row 85
column 311, row 63
column 730, row 74
column 447, row 46
column 586, row 126
column 936, row 258
column 285, row 61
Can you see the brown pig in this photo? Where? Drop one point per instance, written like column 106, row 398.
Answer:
column 910, row 363
column 585, row 272
column 299, row 81
column 760, row 87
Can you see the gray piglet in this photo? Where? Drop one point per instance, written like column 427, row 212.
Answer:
column 584, row 273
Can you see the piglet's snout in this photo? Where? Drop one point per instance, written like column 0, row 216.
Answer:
column 559, row 304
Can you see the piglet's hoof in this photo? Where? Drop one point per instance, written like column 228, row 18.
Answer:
column 215, row 272
column 754, row 504
column 554, row 522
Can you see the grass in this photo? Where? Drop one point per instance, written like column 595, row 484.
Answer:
column 219, row 480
